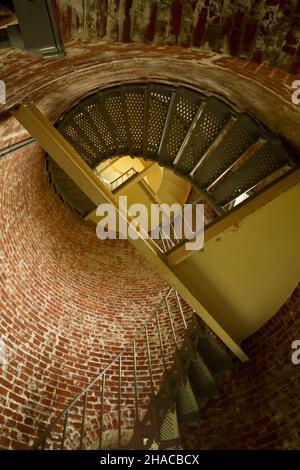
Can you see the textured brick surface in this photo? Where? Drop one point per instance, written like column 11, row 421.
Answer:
column 257, row 406
column 69, row 302
column 260, row 30
column 55, row 85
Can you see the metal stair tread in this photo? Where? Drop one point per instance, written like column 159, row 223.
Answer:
column 239, row 138
column 269, row 158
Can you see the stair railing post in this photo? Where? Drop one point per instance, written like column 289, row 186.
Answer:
column 135, row 382
column 149, row 360
column 63, row 436
column 171, row 322
column 83, row 420
column 101, row 413
column 160, row 341
column 181, row 310
column 44, row 443
column 119, row 403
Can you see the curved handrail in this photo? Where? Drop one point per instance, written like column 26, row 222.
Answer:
column 42, row 439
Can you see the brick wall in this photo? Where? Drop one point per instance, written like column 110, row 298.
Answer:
column 263, row 31
column 50, row 325
column 69, row 302
column 257, row 406
column 54, row 86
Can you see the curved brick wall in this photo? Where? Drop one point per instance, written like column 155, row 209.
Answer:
column 257, row 406
column 61, row 287
column 259, row 30
column 69, row 302
column 54, row 86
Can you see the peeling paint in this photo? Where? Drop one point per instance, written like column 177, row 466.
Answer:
column 256, row 29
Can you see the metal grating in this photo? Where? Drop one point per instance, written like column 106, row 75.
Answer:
column 68, row 190
column 169, row 428
column 170, row 125
column 238, row 140
column 185, row 107
column 158, row 106
column 88, row 133
column 74, row 136
column 95, row 111
column 213, row 119
column 270, row 158
column 135, row 104
column 202, row 381
column 112, row 103
column 186, row 401
column 214, row 356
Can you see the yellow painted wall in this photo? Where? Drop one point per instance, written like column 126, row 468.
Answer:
column 244, row 275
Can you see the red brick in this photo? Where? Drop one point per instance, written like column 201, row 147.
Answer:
column 257, row 389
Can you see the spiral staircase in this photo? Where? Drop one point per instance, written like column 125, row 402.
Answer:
column 183, row 362
column 221, row 152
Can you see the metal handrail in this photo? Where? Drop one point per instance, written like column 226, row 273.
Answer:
column 40, row 443
column 167, row 234
column 124, row 177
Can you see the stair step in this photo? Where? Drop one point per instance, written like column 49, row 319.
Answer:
column 213, row 119
column 201, row 379
column 187, row 405
column 234, row 144
column 183, row 109
column 214, row 356
column 113, row 109
column 68, row 190
column 84, row 132
column 158, row 99
column 133, row 98
column 267, row 160
column 79, row 141
column 169, row 431
column 162, row 423
column 98, row 112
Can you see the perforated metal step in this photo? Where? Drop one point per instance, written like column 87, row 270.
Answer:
column 187, row 405
column 113, row 110
column 214, row 356
column 68, row 190
column 268, row 159
column 234, row 144
column 169, row 431
column 182, row 111
column 133, row 98
column 202, row 381
column 211, row 121
column 158, row 98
